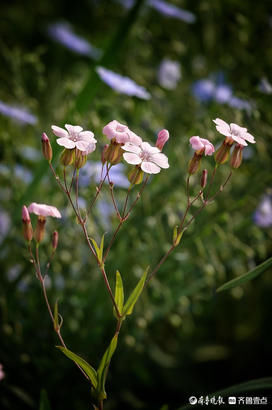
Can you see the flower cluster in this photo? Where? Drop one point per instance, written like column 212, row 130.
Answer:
column 235, row 135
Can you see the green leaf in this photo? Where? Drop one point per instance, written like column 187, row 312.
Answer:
column 88, row 369
column 247, row 276
column 134, row 296
column 177, row 236
column 56, row 316
column 44, row 402
column 103, row 367
column 99, row 250
column 119, row 292
column 252, row 385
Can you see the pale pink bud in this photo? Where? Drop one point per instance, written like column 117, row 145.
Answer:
column 204, row 178
column 55, row 240
column 46, row 147
column 163, row 137
column 27, row 227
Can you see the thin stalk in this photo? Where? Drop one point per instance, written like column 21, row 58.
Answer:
column 42, row 282
column 56, row 177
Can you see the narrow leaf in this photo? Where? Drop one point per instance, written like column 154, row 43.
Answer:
column 134, row 296
column 119, row 292
column 56, row 316
column 88, row 369
column 247, row 276
column 103, row 367
column 97, row 249
column 44, row 402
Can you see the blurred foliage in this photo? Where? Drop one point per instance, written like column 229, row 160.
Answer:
column 183, row 338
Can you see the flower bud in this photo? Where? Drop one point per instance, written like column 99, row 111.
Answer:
column 163, row 137
column 27, row 227
column 46, row 147
column 222, row 154
column 104, row 154
column 80, row 160
column 40, row 228
column 237, row 156
column 135, row 176
column 114, row 153
column 204, row 177
column 194, row 163
column 67, row 157
column 55, row 240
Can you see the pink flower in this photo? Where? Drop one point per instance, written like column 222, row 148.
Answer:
column 201, row 144
column 74, row 137
column 121, row 133
column 163, row 137
column 2, row 373
column 234, row 132
column 44, row 210
column 150, row 158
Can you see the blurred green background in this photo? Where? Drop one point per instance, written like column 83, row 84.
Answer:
column 183, row 339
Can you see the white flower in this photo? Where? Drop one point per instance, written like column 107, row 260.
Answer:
column 74, row 137
column 121, row 133
column 234, row 131
column 149, row 158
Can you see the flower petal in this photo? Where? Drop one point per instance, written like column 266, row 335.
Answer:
column 66, row 143
column 148, row 148
column 59, row 132
column 131, row 148
column 73, row 129
column 196, row 143
column 150, row 167
column 82, row 145
column 250, row 138
column 239, row 140
column 87, row 136
column 131, row 158
column 44, row 210
column 161, row 160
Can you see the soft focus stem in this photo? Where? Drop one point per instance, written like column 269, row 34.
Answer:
column 42, row 282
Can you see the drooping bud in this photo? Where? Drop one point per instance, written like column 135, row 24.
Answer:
column 80, row 160
column 163, row 137
column 222, row 154
column 46, row 147
column 135, row 176
column 55, row 240
column 104, row 154
column 204, row 177
column 40, row 228
column 27, row 227
column 237, row 156
column 67, row 157
column 194, row 163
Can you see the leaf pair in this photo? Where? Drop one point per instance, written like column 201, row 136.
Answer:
column 127, row 309
column 97, row 378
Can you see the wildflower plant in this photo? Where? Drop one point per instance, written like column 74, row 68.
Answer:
column 143, row 160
